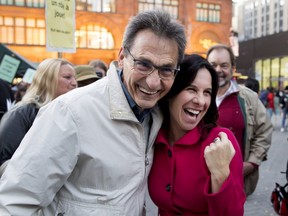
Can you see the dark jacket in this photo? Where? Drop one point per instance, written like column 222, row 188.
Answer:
column 13, row 127
column 6, row 94
column 284, row 101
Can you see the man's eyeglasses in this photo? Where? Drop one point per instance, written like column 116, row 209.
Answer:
column 146, row 68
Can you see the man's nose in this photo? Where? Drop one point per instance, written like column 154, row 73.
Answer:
column 153, row 80
column 217, row 68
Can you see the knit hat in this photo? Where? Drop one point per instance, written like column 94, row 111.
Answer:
column 84, row 72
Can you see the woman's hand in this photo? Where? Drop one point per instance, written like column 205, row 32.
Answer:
column 218, row 156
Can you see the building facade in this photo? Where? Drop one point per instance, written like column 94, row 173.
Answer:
column 263, row 47
column 100, row 25
column 260, row 18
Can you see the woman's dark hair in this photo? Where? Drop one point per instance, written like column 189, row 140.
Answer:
column 189, row 68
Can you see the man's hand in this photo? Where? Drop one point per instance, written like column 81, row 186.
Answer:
column 248, row 168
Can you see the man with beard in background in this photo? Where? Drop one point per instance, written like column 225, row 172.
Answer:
column 242, row 112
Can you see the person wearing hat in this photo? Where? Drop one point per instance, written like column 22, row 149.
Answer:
column 99, row 66
column 85, row 75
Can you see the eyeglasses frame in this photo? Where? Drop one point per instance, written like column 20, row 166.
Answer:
column 153, row 67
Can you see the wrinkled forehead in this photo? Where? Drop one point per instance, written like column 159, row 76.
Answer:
column 159, row 50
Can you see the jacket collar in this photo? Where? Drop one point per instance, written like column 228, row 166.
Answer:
column 119, row 106
column 234, row 88
column 140, row 115
column 192, row 137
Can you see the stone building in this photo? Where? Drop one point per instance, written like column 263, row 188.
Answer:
column 100, row 25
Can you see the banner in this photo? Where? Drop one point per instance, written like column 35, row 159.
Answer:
column 60, row 26
column 28, row 76
column 8, row 68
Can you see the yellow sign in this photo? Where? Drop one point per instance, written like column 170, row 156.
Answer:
column 60, row 25
column 206, row 43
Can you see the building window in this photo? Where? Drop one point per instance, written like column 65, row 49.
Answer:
column 35, row 32
column 208, row 12
column 267, row 28
column 275, row 71
column 7, row 30
column 170, row 6
column 6, row 2
column 24, row 3
column 94, row 36
column 105, row 6
column 22, row 31
column 266, row 72
column 284, row 70
column 258, row 71
column 35, row 3
column 281, row 25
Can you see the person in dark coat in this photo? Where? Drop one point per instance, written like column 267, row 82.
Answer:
column 53, row 78
column 6, row 97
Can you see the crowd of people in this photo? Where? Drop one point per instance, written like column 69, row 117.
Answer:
column 89, row 140
column 274, row 100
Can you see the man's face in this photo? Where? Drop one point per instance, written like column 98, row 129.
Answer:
column 220, row 60
column 146, row 90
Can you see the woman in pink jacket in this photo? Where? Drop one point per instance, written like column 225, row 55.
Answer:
column 197, row 167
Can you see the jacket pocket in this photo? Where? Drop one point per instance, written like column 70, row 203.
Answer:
column 74, row 208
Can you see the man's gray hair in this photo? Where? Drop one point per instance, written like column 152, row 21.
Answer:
column 161, row 24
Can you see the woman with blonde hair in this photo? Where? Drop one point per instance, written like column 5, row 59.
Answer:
column 53, row 78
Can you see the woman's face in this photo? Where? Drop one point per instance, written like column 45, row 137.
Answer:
column 191, row 104
column 66, row 80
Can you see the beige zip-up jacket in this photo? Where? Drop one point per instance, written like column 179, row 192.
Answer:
column 258, row 133
column 86, row 154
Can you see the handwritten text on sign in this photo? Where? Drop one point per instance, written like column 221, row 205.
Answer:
column 60, row 25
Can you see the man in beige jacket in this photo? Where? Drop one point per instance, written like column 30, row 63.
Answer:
column 242, row 112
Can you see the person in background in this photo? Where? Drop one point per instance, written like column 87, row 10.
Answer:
column 99, row 66
column 241, row 111
column 263, row 96
column 6, row 97
column 284, row 107
column 53, row 78
column 252, row 84
column 20, row 90
column 277, row 116
column 270, row 102
column 197, row 165
column 89, row 152
column 85, row 75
